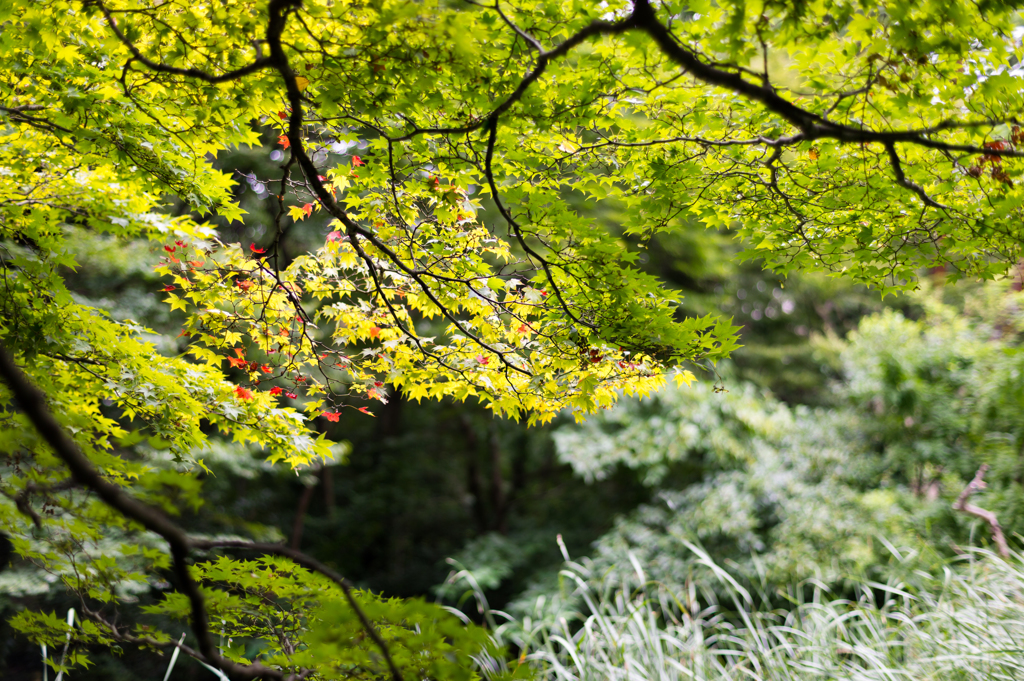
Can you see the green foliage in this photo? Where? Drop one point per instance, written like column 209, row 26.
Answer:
column 755, row 482
column 940, row 396
column 465, row 254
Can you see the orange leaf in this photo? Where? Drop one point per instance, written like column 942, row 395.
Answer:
column 284, row 141
column 331, row 416
column 375, row 332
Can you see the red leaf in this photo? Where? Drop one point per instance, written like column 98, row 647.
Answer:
column 276, row 390
column 365, row 411
column 252, row 247
column 356, row 161
column 284, row 141
column 375, row 332
column 331, row 416
column 335, row 236
column 483, row 360
column 243, row 393
column 378, row 384
column 170, row 249
column 181, row 243
column 282, row 115
column 169, row 287
column 265, row 369
column 243, row 284
column 308, row 209
column 523, row 328
column 291, row 395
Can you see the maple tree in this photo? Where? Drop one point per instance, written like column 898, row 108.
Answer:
column 467, row 255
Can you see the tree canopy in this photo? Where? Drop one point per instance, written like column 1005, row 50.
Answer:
column 465, row 155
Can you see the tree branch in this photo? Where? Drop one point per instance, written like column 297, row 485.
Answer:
column 259, row 63
column 904, row 181
column 989, row 517
column 32, row 403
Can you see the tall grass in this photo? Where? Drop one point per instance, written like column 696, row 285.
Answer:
column 964, row 622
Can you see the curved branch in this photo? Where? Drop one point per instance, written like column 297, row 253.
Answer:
column 258, row 64
column 978, row 483
column 32, row 403
column 492, row 136
column 904, row 181
column 313, row 565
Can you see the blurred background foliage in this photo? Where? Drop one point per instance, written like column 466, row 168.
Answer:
column 846, row 426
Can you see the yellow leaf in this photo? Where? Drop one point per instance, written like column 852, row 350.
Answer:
column 684, row 378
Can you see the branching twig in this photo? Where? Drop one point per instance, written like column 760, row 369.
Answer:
column 988, row 516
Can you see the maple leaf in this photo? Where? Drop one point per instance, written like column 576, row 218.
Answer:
column 366, row 411
column 170, row 249
column 182, row 244
column 284, row 141
column 291, row 395
column 308, row 209
column 523, row 328
column 243, row 393
column 169, row 287
column 282, row 115
column 483, row 360
column 243, row 284
column 238, row 363
column 276, row 390
column 356, row 161
column 265, row 369
column 375, row 332
column 257, row 251
column 331, row 415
